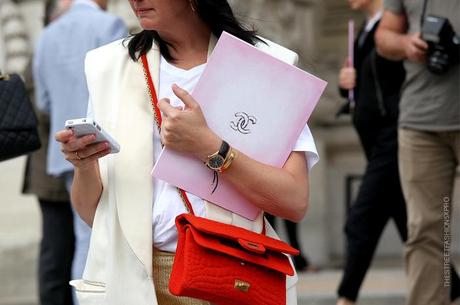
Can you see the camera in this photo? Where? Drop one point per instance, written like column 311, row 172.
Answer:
column 443, row 44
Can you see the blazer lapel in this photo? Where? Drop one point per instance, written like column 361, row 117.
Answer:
column 132, row 180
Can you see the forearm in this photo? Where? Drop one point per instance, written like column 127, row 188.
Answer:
column 391, row 45
column 86, row 191
column 275, row 190
column 391, row 37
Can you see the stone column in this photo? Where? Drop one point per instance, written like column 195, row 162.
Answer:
column 15, row 50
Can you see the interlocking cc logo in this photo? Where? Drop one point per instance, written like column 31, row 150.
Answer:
column 242, row 122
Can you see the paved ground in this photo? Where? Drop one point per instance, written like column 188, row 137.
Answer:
column 19, row 235
column 382, row 286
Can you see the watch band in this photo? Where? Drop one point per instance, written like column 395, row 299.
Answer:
column 228, row 161
column 224, row 149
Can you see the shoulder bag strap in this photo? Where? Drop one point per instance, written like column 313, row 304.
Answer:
column 422, row 17
column 158, row 120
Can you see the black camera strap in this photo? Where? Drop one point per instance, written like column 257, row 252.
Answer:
column 422, row 18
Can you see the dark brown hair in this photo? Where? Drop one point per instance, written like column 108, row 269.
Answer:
column 217, row 14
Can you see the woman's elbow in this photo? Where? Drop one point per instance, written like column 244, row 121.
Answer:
column 299, row 210
column 85, row 210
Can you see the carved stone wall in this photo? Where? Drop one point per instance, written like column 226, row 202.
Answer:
column 14, row 38
column 287, row 22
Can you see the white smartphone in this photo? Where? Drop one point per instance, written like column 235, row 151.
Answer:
column 86, row 126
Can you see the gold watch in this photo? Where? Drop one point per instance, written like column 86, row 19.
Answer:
column 217, row 160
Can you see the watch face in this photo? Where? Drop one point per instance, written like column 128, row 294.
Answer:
column 216, row 162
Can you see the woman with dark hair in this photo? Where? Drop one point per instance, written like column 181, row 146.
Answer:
column 134, row 237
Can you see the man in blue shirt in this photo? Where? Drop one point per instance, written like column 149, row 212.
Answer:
column 61, row 85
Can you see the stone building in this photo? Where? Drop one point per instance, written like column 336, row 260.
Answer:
column 316, row 29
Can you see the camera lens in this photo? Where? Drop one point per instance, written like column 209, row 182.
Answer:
column 456, row 40
column 438, row 62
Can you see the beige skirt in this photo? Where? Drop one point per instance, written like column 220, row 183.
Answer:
column 162, row 266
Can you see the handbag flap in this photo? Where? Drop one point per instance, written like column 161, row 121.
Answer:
column 16, row 111
column 243, row 244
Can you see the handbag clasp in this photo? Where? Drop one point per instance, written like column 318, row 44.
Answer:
column 252, row 246
column 242, row 285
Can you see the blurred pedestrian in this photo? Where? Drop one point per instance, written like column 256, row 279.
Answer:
column 376, row 83
column 429, row 136
column 61, row 85
column 301, row 262
column 58, row 242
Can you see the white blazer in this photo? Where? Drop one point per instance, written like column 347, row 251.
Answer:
column 119, row 265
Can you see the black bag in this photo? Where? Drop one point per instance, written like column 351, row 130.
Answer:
column 18, row 122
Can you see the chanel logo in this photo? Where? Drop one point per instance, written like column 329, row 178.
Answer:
column 242, row 122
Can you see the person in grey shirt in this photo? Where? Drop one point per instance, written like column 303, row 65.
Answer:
column 429, row 144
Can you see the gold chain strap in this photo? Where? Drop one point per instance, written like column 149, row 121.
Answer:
column 182, row 194
column 157, row 122
column 184, row 200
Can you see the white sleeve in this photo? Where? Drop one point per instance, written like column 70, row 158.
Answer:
column 306, row 143
column 90, row 111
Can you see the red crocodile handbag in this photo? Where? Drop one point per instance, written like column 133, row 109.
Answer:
column 229, row 265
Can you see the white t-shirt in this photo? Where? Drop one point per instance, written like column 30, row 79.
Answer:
column 166, row 201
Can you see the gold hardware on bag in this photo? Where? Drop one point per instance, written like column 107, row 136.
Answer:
column 242, row 285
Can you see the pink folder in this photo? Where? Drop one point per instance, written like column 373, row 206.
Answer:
column 258, row 104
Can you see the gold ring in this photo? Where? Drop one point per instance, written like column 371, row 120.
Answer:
column 76, row 155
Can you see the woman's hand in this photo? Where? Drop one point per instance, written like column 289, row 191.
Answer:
column 185, row 130
column 347, row 76
column 81, row 152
